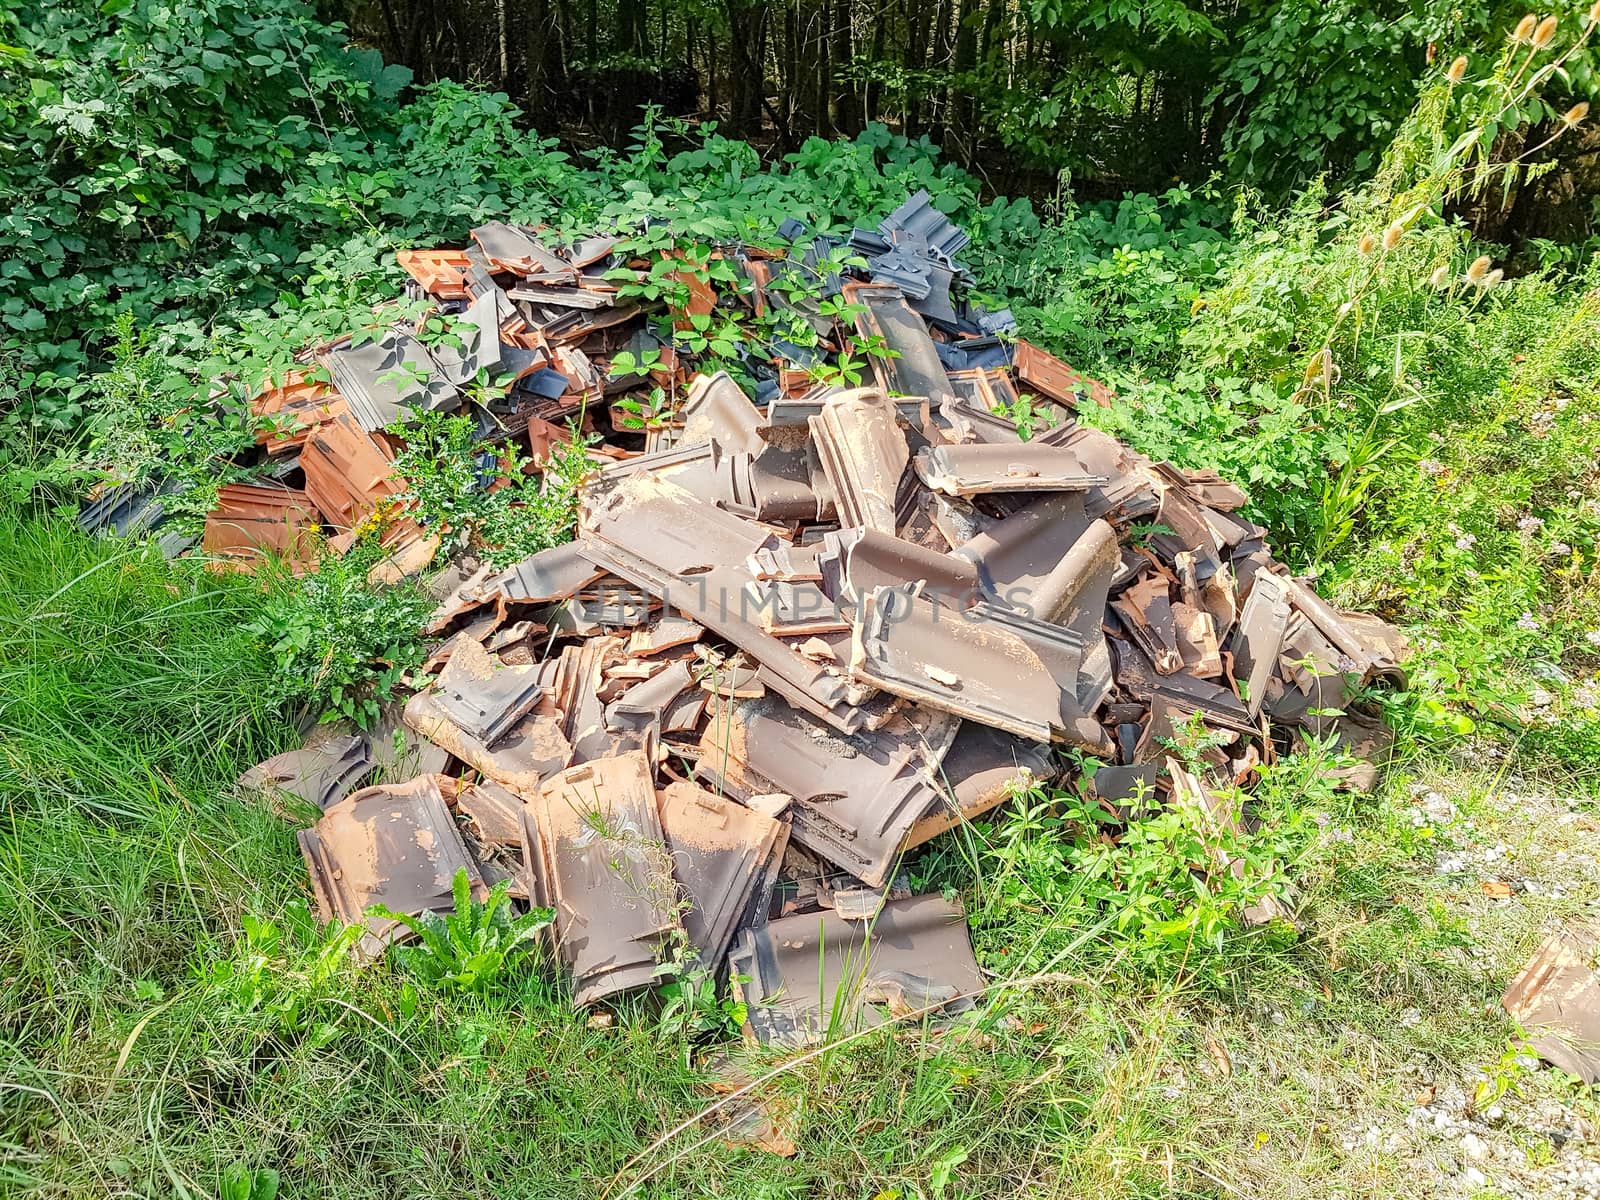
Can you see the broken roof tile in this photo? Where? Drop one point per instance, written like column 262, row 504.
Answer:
column 983, row 467
column 394, row 845
column 919, row 221
column 1048, row 375
column 1146, row 613
column 347, row 472
column 810, row 975
column 493, row 813
column 520, row 758
column 287, row 412
column 983, row 768
column 319, row 775
column 724, row 858
column 855, row 561
column 1556, row 999
column 482, row 697
column 440, row 273
column 594, row 847
column 856, row 796
column 1263, row 623
column 864, row 455
column 914, row 369
column 692, row 556
column 252, row 522
column 384, row 376
column 987, row 664
column 514, row 249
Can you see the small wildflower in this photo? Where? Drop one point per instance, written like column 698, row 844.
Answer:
column 1492, row 279
column 1560, row 549
column 1366, row 245
column 1391, row 236
column 1430, row 466
column 1466, row 541
column 1592, row 637
column 1530, row 525
column 1478, row 269
column 1458, row 69
column 1441, row 277
column 1524, row 31
column 1546, row 32
column 1526, row 621
column 1574, row 115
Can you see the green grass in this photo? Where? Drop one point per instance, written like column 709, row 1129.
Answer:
column 150, row 1040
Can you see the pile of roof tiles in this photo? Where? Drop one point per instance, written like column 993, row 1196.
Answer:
column 799, row 633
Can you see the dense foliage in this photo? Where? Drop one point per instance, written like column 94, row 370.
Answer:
column 1115, row 92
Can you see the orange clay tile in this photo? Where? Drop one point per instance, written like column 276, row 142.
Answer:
column 1044, row 372
column 293, row 408
column 440, row 272
column 251, row 522
column 347, row 472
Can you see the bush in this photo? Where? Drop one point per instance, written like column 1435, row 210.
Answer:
column 485, row 499
column 342, row 646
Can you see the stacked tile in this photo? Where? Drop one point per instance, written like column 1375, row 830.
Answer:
column 804, row 629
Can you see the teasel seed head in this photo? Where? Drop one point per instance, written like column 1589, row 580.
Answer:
column 1458, row 69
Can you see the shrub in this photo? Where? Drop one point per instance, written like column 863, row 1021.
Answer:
column 340, row 645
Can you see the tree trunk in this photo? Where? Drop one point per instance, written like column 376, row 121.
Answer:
column 747, row 72
column 993, row 17
column 633, row 26
column 565, row 52
column 395, row 47
column 844, row 108
column 536, row 46
column 871, row 100
column 963, row 114
column 940, row 59
column 505, row 47
column 819, row 35
column 789, row 83
column 921, row 16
